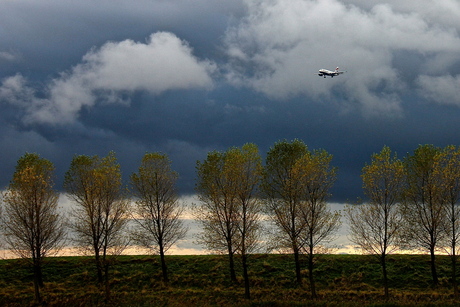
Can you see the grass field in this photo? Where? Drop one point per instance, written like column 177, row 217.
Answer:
column 342, row 280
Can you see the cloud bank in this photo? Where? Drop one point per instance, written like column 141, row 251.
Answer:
column 163, row 63
column 88, row 77
column 441, row 89
column 275, row 49
column 280, row 45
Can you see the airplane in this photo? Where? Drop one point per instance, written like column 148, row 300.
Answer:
column 325, row 72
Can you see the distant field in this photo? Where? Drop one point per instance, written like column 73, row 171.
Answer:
column 342, row 280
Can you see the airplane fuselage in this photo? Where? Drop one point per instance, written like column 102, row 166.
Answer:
column 331, row 73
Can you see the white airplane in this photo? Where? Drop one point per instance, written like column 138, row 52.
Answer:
column 325, row 72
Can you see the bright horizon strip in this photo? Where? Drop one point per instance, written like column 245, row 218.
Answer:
column 177, row 251
column 187, row 246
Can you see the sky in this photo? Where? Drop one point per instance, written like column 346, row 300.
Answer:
column 185, row 77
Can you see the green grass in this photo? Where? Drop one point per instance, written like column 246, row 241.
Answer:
column 342, row 280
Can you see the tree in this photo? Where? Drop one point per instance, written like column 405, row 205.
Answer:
column 217, row 209
column 229, row 211
column 157, row 211
column 32, row 226
column 423, row 211
column 284, row 194
column 316, row 177
column 245, row 164
column 101, row 214
column 375, row 225
column 447, row 174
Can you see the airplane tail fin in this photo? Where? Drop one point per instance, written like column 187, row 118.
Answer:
column 336, row 69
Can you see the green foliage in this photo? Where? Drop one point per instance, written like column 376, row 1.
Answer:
column 100, row 215
column 30, row 222
column 229, row 209
column 156, row 209
column 296, row 187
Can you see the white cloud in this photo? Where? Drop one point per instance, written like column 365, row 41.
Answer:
column 7, row 56
column 16, row 92
column 441, row 89
column 281, row 44
column 441, row 12
column 163, row 63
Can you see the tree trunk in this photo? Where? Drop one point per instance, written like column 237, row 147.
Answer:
column 434, row 273
column 38, row 297
column 37, row 282
column 310, row 274
column 164, row 268
column 232, row 267
column 231, row 261
column 247, row 293
column 454, row 274
column 38, row 272
column 385, row 276
column 97, row 258
column 106, row 281
column 297, row 266
column 40, row 277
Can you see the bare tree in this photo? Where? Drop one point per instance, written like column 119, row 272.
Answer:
column 284, row 194
column 447, row 175
column 246, row 165
column 217, row 211
column 230, row 211
column 32, row 226
column 101, row 213
column 375, row 225
column 157, row 210
column 423, row 211
column 321, row 224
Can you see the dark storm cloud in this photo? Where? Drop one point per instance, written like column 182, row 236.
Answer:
column 187, row 77
column 62, row 31
column 285, row 39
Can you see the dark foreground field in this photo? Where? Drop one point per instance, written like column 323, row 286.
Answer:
column 342, row 280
